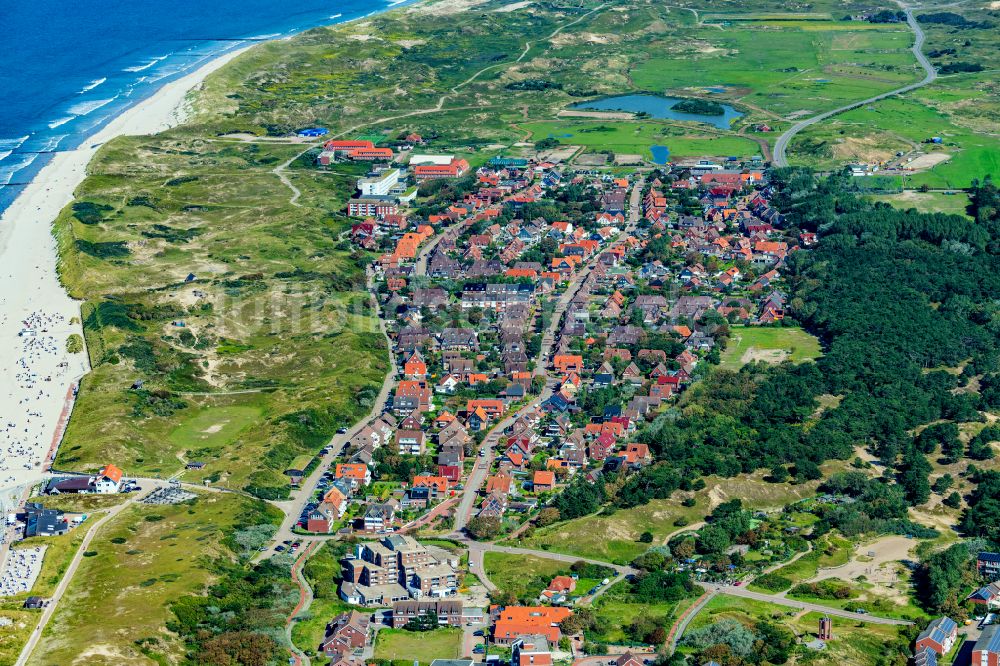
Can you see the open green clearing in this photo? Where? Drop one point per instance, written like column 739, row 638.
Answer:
column 927, row 202
column 213, row 427
column 636, row 137
column 144, row 558
column 422, row 646
column 806, row 65
column 771, row 344
column 616, row 610
column 521, row 575
column 525, row 576
column 614, row 537
column 853, row 642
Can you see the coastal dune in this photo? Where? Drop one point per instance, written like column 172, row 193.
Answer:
column 37, row 316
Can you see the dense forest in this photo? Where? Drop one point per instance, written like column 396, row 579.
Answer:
column 904, row 305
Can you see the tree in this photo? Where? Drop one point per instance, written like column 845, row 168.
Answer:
column 942, row 484
column 483, row 528
column 646, row 537
column 547, row 516
column 954, row 500
column 426, row 622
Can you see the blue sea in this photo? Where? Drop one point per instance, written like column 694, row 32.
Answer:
column 67, row 68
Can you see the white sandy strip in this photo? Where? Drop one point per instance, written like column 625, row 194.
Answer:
column 36, row 372
column 21, row 570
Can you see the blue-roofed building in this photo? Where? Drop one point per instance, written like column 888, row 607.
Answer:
column 988, row 595
column 312, row 132
column 926, row 657
column 939, row 636
column 988, row 565
column 987, row 649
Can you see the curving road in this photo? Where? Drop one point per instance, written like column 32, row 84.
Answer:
column 781, row 145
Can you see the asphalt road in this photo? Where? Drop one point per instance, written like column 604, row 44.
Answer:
column 294, row 506
column 781, row 145
column 801, row 605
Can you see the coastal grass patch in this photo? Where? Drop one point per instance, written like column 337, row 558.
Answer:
column 770, row 344
column 636, row 137
column 233, row 308
column 875, row 132
column 18, row 625
column 143, row 558
column 418, row 646
column 614, row 536
column 807, row 66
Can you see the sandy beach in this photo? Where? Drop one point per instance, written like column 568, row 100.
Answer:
column 37, row 316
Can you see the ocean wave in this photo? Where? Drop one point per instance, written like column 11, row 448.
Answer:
column 93, row 84
column 10, row 167
column 335, row 16
column 60, row 121
column 260, row 38
column 8, row 146
column 53, row 142
column 89, row 106
column 12, row 144
column 145, row 66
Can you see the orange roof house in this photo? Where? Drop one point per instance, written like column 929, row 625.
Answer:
column 516, row 621
column 438, row 484
column 415, row 367
column 499, row 483
column 112, row 473
column 543, row 480
column 492, row 407
column 568, row 362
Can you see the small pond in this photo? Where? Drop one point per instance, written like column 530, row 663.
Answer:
column 659, row 107
column 661, row 154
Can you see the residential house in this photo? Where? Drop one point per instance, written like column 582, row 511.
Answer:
column 939, row 636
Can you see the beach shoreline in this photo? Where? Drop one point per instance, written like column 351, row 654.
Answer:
column 37, row 315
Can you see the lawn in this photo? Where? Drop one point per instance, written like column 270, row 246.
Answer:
column 614, row 537
column 211, row 428
column 425, row 647
column 768, row 344
column 828, row 552
column 309, row 630
column 927, row 202
column 139, row 562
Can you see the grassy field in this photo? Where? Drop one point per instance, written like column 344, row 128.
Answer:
column 424, row 647
column 927, row 202
column 141, row 560
column 853, row 642
column 615, row 611
column 768, row 344
column 15, row 635
column 523, row 575
column 807, row 66
column 636, row 137
column 615, row 537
